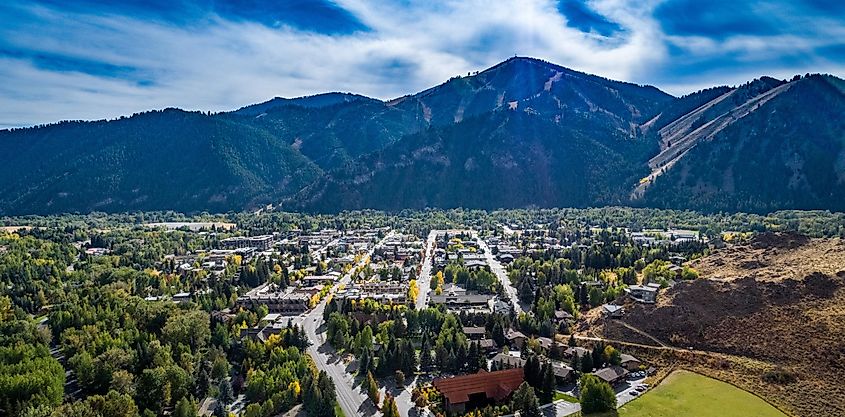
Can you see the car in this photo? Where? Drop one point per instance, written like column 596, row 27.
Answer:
column 634, row 393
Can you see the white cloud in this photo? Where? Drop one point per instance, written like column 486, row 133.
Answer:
column 220, row 64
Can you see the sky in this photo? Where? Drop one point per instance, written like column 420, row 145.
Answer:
column 96, row 59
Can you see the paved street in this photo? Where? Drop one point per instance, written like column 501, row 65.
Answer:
column 497, row 268
column 351, row 398
column 424, row 280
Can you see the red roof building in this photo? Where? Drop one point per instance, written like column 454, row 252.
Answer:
column 471, row 391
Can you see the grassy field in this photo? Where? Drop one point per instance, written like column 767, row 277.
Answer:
column 561, row 396
column 688, row 394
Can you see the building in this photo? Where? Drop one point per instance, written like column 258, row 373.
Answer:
column 508, row 360
column 515, row 338
column 457, row 299
column 612, row 311
column 561, row 315
column 630, row 363
column 264, row 242
column 643, row 293
column 475, row 333
column 276, row 300
column 469, row 392
column 563, row 373
column 312, row 280
column 577, row 350
column 612, row 374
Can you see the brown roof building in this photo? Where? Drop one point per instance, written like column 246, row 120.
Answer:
column 468, row 392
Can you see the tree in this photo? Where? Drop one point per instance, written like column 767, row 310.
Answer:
column 547, row 384
column 372, row 389
column 413, row 290
column 597, row 396
column 389, row 408
column 572, row 342
column 185, row 408
column 587, row 363
column 526, row 402
column 221, row 410
column 191, row 328
column 399, row 377
column 226, row 396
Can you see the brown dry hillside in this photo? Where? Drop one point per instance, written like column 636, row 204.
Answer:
column 778, row 299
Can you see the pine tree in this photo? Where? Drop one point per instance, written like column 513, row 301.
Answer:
column 587, row 364
column 547, row 385
column 372, row 389
column 425, row 353
column 525, row 401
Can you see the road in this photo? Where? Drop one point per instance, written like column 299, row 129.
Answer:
column 497, row 268
column 424, row 280
column 350, row 397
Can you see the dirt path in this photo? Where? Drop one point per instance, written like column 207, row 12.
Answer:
column 644, row 334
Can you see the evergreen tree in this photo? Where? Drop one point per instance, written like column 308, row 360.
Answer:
column 372, row 389
column 226, row 396
column 547, row 385
column 525, row 401
column 587, row 364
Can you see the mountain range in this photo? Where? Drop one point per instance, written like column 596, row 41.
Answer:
column 523, row 133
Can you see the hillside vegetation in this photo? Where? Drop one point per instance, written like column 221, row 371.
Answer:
column 775, row 303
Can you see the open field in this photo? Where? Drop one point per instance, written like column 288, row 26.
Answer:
column 688, row 394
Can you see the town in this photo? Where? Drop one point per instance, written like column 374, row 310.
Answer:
column 356, row 315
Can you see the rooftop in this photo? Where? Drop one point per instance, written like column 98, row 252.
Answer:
column 496, row 385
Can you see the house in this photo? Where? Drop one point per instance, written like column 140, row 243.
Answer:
column 643, row 293
column 508, row 360
column 630, row 363
column 468, row 392
column 475, row 264
column 561, row 315
column 612, row 311
column 474, row 333
column 515, row 338
column 612, row 374
column 563, row 373
column 505, row 258
column 581, row 352
column 487, row 345
column 545, row 342
column 182, row 297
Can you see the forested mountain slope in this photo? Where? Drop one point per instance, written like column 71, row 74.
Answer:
column 522, row 133
column 787, row 153
column 167, row 159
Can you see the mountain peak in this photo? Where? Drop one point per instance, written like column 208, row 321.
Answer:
column 313, row 101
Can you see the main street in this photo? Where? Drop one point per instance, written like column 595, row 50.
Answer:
column 424, row 280
column 497, row 269
column 351, row 398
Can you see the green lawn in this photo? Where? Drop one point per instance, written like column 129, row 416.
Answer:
column 561, row 396
column 338, row 411
column 689, row 394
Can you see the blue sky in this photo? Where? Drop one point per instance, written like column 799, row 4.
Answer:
column 93, row 59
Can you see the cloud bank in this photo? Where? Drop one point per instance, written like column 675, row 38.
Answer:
column 97, row 59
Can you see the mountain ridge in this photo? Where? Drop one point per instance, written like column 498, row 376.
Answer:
column 524, row 132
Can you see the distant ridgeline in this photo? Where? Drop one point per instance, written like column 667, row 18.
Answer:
column 524, row 133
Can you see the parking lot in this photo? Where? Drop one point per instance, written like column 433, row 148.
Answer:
column 632, row 388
